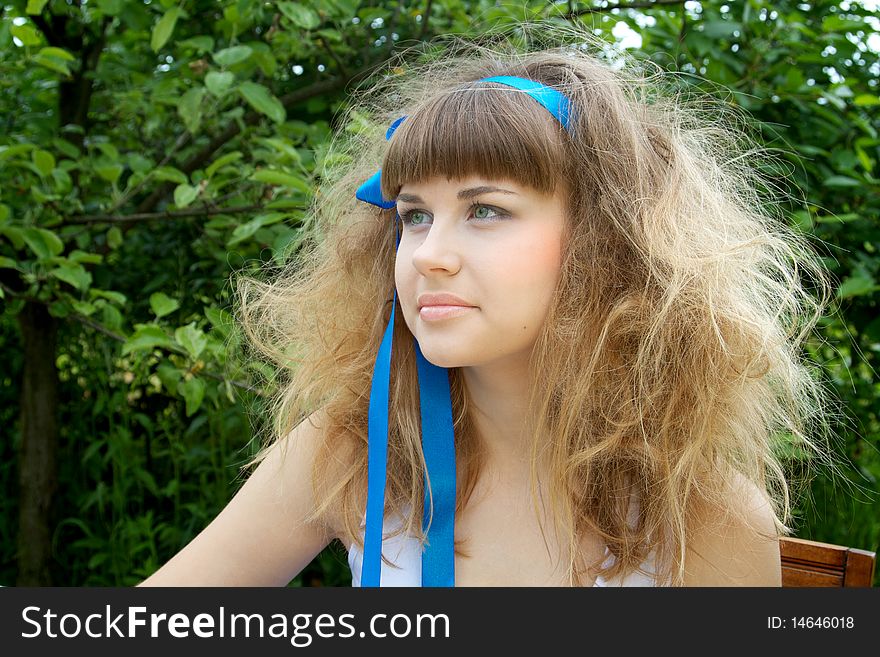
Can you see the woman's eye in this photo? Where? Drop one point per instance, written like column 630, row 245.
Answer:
column 482, row 212
column 412, row 217
column 482, row 207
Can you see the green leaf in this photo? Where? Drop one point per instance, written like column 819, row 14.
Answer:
column 865, row 159
column 73, row 274
column 281, row 178
column 283, row 147
column 164, row 28
column 286, row 242
column 115, row 297
column 111, row 7
column 190, row 108
column 193, row 392
column 44, row 161
column 300, row 15
column 4, row 213
column 61, row 181
column 832, row 23
column 244, row 231
column 192, row 339
column 109, row 171
column 7, row 152
column 169, row 375
column 232, row 15
column 855, row 286
column 262, row 100
column 865, row 100
column 59, row 309
column 146, row 337
column 221, row 162
column 837, row 218
column 81, row 256
column 219, row 318
column 40, row 196
column 718, row 29
column 83, row 307
column 114, row 237
column 162, row 304
column 111, row 317
column 7, row 263
column 265, row 59
column 57, row 53
column 139, row 163
column 26, row 33
column 842, row 181
column 233, row 55
column 35, row 7
column 44, row 243
column 108, row 149
column 170, row 174
column 52, row 63
column 149, row 483
column 184, row 195
column 62, row 145
column 218, row 82
column 14, row 234
column 200, row 44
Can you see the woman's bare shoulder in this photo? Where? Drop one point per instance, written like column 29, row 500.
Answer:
column 736, row 546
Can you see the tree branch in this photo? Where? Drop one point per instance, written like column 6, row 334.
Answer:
column 181, row 141
column 10, row 290
column 203, row 211
column 682, row 35
column 392, row 25
column 48, row 31
column 645, row 4
column 425, row 16
column 340, row 65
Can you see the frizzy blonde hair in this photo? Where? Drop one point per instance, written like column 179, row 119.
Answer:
column 669, row 363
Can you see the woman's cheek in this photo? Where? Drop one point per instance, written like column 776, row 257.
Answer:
column 541, row 257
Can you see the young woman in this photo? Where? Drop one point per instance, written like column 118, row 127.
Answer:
column 592, row 355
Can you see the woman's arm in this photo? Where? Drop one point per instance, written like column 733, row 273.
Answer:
column 259, row 538
column 727, row 552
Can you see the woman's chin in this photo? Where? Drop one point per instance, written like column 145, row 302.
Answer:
column 436, row 355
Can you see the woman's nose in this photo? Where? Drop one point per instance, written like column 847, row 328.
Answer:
column 439, row 247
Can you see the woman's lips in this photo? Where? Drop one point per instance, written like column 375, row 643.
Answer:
column 436, row 313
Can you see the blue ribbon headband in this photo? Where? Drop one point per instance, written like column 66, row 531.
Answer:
column 438, row 439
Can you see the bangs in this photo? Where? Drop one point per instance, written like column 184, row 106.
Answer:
column 489, row 130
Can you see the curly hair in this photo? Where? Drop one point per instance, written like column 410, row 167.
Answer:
column 670, row 362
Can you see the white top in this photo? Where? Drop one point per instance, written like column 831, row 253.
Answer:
column 405, row 552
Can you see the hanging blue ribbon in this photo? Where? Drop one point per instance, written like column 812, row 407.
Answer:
column 438, row 445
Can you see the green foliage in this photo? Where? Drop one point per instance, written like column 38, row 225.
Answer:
column 165, row 28
column 192, row 149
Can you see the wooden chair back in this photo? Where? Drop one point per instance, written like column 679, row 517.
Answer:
column 811, row 563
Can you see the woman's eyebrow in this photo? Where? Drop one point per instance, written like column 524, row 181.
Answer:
column 462, row 194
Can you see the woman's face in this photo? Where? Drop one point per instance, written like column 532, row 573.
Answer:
column 494, row 244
